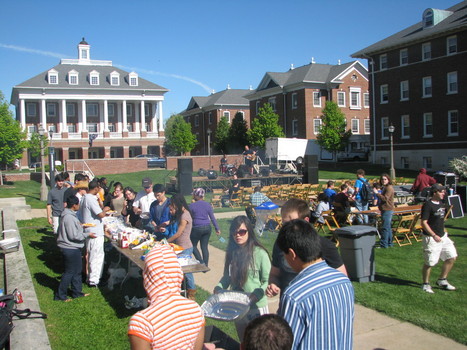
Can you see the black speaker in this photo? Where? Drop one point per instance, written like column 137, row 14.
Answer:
column 212, row 174
column 242, row 171
column 185, row 165
column 311, row 160
column 265, row 171
column 185, row 183
column 462, row 192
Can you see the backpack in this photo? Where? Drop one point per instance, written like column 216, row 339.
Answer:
column 366, row 192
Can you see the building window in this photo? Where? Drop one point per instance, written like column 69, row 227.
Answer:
column 210, row 118
column 404, row 90
column 426, row 51
column 227, row 115
column 272, row 102
column 111, row 109
column 51, row 110
column 73, row 78
column 71, row 127
column 258, row 105
column 317, row 99
column 94, row 78
column 341, row 98
column 242, row 114
column 52, row 76
column 354, row 126
column 384, row 128
column 32, row 129
column 404, row 57
column 84, row 54
column 129, row 109
column 384, row 93
column 405, row 131
column 129, row 127
column 404, row 162
column 148, row 126
column 115, row 79
column 427, row 88
column 428, row 19
column 383, row 62
column 317, row 125
column 452, row 83
column 111, row 127
column 427, row 125
column 453, row 123
column 92, row 110
column 427, row 162
column 147, row 110
column 31, row 110
column 451, row 43
column 366, row 100
column 295, row 127
column 70, row 110
column 133, row 79
column 355, row 99
column 294, row 101
column 197, row 120
column 92, row 127
column 366, row 124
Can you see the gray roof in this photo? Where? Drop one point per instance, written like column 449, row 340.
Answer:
column 228, row 97
column 416, row 33
column 40, row 80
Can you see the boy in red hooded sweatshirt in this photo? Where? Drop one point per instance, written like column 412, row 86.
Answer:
column 423, row 180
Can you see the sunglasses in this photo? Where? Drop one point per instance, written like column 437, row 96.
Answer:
column 240, row 232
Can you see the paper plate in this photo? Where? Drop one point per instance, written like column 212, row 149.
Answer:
column 226, row 306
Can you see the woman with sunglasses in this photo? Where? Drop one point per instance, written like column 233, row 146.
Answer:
column 246, row 269
column 386, row 206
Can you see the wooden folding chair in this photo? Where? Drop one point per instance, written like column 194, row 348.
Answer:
column 403, row 230
column 331, row 224
column 417, row 229
column 235, row 199
column 216, row 201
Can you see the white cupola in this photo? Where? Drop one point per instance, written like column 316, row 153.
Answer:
column 84, row 52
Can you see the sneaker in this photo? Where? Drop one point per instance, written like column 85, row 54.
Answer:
column 427, row 288
column 443, row 283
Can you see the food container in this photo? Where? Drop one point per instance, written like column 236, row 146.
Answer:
column 226, row 306
column 9, row 245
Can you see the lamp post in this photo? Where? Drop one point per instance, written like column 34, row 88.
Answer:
column 209, row 146
column 51, row 161
column 392, row 171
column 43, row 185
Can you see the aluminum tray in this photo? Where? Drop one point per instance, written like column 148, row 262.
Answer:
column 9, row 245
column 226, row 306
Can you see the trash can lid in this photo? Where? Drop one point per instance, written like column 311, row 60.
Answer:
column 267, row 206
column 356, row 231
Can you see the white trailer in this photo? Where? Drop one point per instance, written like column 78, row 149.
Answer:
column 280, row 149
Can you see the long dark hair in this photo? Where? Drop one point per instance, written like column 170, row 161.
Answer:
column 239, row 259
column 178, row 202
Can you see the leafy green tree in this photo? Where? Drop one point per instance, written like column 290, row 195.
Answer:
column 34, row 144
column 265, row 125
column 12, row 138
column 333, row 136
column 178, row 135
column 221, row 137
column 237, row 134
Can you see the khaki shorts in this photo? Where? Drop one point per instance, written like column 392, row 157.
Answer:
column 433, row 251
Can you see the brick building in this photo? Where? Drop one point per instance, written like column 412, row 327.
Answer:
column 418, row 85
column 82, row 97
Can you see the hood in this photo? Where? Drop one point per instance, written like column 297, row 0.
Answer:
column 67, row 211
column 422, row 171
column 162, row 273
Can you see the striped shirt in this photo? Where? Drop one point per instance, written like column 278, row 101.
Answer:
column 319, row 307
column 171, row 321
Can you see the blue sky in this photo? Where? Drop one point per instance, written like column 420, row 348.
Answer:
column 193, row 47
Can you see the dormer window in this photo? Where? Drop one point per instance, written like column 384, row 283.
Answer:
column 52, row 76
column 428, row 19
column 94, row 78
column 133, row 79
column 114, row 79
column 73, row 77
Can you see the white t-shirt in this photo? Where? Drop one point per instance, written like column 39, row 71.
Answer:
column 143, row 201
column 88, row 210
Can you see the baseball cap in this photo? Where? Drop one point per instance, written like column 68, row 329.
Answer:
column 147, row 182
column 81, row 184
column 437, row 188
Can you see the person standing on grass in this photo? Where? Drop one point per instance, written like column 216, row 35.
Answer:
column 203, row 216
column 142, row 203
column 360, row 203
column 386, row 207
column 436, row 243
column 55, row 202
column 70, row 240
column 159, row 212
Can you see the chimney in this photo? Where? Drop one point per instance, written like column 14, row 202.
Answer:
column 313, row 60
column 291, row 66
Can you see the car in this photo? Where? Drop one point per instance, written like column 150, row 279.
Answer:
column 35, row 165
column 354, row 155
column 154, row 161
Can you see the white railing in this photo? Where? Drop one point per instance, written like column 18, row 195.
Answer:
column 79, row 165
column 74, row 135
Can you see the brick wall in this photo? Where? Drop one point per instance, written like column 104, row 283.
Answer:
column 108, row 166
column 13, row 177
column 203, row 161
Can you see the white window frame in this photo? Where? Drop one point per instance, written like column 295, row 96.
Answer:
column 367, row 126
column 384, row 93
column 31, row 109
column 404, row 57
column 404, row 90
column 384, row 128
column 451, row 123
column 210, row 118
column 341, row 98
column 405, row 126
column 427, row 162
column 71, row 127
column 227, row 115
column 426, row 86
column 84, row 54
column 115, row 79
column 133, row 79
column 427, row 124
column 112, row 127
column 316, row 98
column 147, row 110
column 317, row 122
column 52, row 128
column 366, row 99
column 404, row 162
column 111, row 108
column 70, row 110
column 52, row 77
column 358, row 92
column 93, row 127
column 94, row 78
column 92, row 109
column 129, row 109
column 383, row 61
column 32, row 129
column 428, row 19
column 242, row 113
column 451, row 45
column 294, row 100
column 73, row 78
column 452, row 82
column 426, row 51
column 129, row 127
column 272, row 102
column 51, row 109
column 355, row 126
column 294, row 127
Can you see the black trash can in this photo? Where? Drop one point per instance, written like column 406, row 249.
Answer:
column 356, row 245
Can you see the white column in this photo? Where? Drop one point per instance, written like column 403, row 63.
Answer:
column 100, row 117
column 154, row 118
column 22, row 114
column 43, row 115
column 137, row 118
column 63, row 124
column 84, row 121
column 143, row 117
column 119, row 118
column 124, row 118
column 159, row 111
column 106, row 116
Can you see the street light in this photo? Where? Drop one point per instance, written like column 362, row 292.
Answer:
column 392, row 171
column 51, row 161
column 209, row 146
column 43, row 185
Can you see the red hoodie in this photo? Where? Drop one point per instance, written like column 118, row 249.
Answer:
column 423, row 180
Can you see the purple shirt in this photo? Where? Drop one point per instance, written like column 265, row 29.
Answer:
column 201, row 212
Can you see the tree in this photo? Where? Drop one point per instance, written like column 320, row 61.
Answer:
column 237, row 134
column 12, row 138
column 333, row 136
column 34, row 144
column 222, row 135
column 178, row 135
column 264, row 126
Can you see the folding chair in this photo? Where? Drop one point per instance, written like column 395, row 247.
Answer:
column 403, row 230
column 216, row 201
column 332, row 225
column 416, row 226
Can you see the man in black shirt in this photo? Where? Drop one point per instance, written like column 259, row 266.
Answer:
column 436, row 243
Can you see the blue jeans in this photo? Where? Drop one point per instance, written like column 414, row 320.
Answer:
column 201, row 234
column 189, row 279
column 361, row 205
column 72, row 275
column 386, row 229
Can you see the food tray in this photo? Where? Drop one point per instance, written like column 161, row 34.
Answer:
column 226, row 306
column 9, row 245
